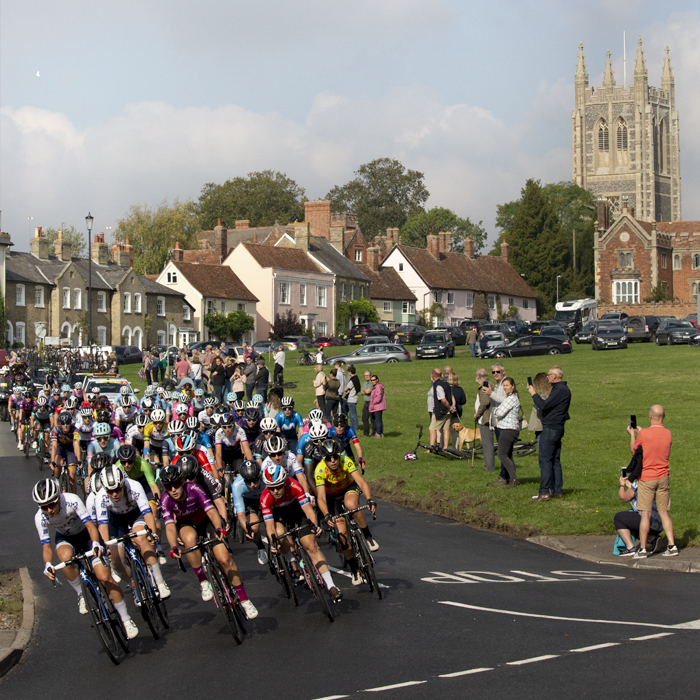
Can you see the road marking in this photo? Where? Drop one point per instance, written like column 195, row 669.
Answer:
column 596, row 646
column 497, row 577
column 651, row 636
column 542, row 578
column 685, row 625
column 392, row 687
column 533, row 660
column 465, row 673
column 333, row 697
column 345, row 573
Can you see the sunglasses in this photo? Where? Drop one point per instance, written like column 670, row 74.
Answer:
column 497, row 371
column 276, row 454
column 49, row 506
column 119, row 490
column 276, row 488
column 173, row 485
column 252, row 483
column 103, row 438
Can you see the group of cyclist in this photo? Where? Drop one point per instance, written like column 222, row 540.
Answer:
column 194, row 465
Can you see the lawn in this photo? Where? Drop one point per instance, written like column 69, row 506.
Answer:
column 606, row 387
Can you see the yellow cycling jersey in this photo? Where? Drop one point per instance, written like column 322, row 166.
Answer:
column 336, row 481
column 151, row 433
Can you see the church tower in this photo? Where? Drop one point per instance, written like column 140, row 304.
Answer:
column 626, row 141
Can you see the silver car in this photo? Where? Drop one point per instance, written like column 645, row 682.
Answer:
column 494, row 339
column 373, row 354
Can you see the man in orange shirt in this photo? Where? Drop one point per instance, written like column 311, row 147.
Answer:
column 654, row 481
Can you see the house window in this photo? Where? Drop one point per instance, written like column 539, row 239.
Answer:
column 358, row 254
column 696, row 261
column 321, row 298
column 102, row 301
column 387, row 306
column 400, row 267
column 211, row 306
column 526, row 303
column 19, row 297
column 470, row 299
column 161, row 337
column 284, row 292
column 342, row 291
column 101, row 335
column 362, row 291
column 511, row 301
column 455, row 321
column 241, row 307
column 302, row 294
column 160, row 306
column 663, row 260
column 694, row 290
column 438, row 297
column 223, row 307
column 185, row 312
column 626, row 292
column 492, row 301
column 127, row 302
column 352, row 292
column 676, row 262
column 450, row 297
column 77, row 299
column 172, row 277
column 19, row 333
column 66, row 297
column 321, row 328
column 137, row 303
column 408, row 307
column 39, row 297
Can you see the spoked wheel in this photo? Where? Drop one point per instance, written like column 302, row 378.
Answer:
column 367, row 565
column 280, row 570
column 522, row 449
column 315, row 583
column 40, row 454
column 149, row 601
column 106, row 622
column 64, row 481
column 221, row 589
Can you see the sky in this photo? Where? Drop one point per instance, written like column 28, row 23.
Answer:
column 104, row 105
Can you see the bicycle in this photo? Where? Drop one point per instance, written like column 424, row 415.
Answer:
column 447, row 452
column 279, row 568
column 104, row 618
column 42, row 454
column 143, row 586
column 229, row 477
column 63, row 477
column 306, row 359
column 225, row 596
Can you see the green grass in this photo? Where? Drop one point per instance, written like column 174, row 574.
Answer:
column 10, row 600
column 606, row 387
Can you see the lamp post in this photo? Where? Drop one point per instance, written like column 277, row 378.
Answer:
column 558, row 276
column 88, row 222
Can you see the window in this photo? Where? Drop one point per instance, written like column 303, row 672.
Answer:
column 321, row 299
column 694, row 290
column 101, row 335
column 438, row 297
column 696, row 261
column 172, row 277
column 387, row 306
column 19, row 333
column 102, row 301
column 127, row 302
column 492, row 301
column 211, row 306
column 358, row 255
column 39, row 297
column 302, row 295
column 400, row 267
column 362, row 291
column 66, row 297
column 321, row 327
column 352, row 292
column 342, row 291
column 223, row 307
column 284, row 292
column 511, row 301
column 603, row 137
column 526, row 303
column 19, row 297
column 450, row 297
column 621, row 135
column 185, row 312
column 455, row 321
column 160, row 335
column 241, row 307
column 408, row 307
column 160, row 306
column 676, row 262
column 663, row 260
column 77, row 299
column 626, row 292
column 137, row 303
column 470, row 299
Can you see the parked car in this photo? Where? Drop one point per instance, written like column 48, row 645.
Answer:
column 127, row 354
column 330, row 342
column 494, row 339
column 297, row 342
column 263, row 346
column 536, row 326
column 609, row 337
column 641, row 327
column 694, row 341
column 613, row 316
column 375, row 340
column 585, row 335
column 672, row 331
column 435, row 344
column 409, row 333
column 110, row 385
column 555, row 332
column 459, row 335
column 362, row 331
column 373, row 354
column 474, row 323
column 693, row 318
column 532, row 345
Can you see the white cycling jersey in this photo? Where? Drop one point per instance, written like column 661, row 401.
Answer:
column 290, row 463
column 84, row 431
column 125, row 416
column 133, row 433
column 231, row 441
column 133, row 497
column 70, row 519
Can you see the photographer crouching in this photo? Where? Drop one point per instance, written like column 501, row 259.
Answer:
column 628, row 522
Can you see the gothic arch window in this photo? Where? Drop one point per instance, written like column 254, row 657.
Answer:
column 676, row 262
column 655, row 136
column 628, row 259
column 662, row 145
column 622, row 144
column 696, row 261
column 603, row 142
column 621, row 135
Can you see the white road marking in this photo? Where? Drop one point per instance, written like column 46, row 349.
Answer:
column 392, row 687
column 651, row 636
column 346, row 574
column 533, row 660
column 684, row 625
column 542, row 578
column 333, row 697
column 596, row 646
column 465, row 673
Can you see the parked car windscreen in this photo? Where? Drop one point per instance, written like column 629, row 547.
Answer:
column 434, row 338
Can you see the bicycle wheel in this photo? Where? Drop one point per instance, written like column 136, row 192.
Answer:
column 522, row 449
column 40, row 452
column 316, row 584
column 99, row 608
column 367, row 564
column 26, row 443
column 64, row 480
column 220, row 588
column 146, row 595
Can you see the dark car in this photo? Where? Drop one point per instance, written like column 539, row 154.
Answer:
column 359, row 333
column 585, row 335
column 694, row 341
column 435, row 344
column 459, row 335
column 613, row 316
column 672, row 331
column 200, row 345
column 555, row 332
column 474, row 323
column 530, row 345
column 127, row 354
column 329, row 342
column 409, row 333
column 609, row 337
column 536, row 326
column 641, row 327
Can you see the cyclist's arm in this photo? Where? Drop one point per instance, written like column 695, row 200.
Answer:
column 310, row 513
column 321, row 500
column 147, row 472
column 171, row 534
column 362, row 483
column 358, row 447
column 245, row 449
column 219, row 467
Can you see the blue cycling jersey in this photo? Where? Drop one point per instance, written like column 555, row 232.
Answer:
column 302, row 443
column 241, row 490
column 169, row 447
column 204, row 441
column 289, row 426
column 346, row 438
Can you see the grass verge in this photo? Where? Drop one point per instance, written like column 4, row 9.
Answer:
column 11, row 601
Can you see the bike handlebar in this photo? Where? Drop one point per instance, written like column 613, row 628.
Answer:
column 129, row 536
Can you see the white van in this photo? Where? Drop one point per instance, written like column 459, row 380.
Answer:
column 576, row 314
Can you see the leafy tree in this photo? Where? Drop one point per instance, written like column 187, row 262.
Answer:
column 659, row 293
column 383, row 195
column 414, row 232
column 289, row 324
column 479, row 307
column 153, row 232
column 71, row 234
column 347, row 311
column 234, row 324
column 262, row 198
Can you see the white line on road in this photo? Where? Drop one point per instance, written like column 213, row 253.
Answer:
column 333, row 697
column 392, row 687
column 596, row 646
column 465, row 673
column 533, row 660
column 685, row 625
column 651, row 636
column 345, row 573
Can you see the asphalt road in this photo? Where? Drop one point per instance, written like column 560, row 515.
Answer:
column 436, row 633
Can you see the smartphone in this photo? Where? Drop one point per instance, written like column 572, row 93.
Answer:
column 485, row 385
column 529, row 381
column 633, row 422
column 624, row 472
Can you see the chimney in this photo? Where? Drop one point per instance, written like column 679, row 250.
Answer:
column 631, row 211
column 62, row 248
column 40, row 245
column 446, row 241
column 373, row 258
column 625, row 199
column 100, row 252
column 433, row 245
column 176, row 253
column 318, row 216
column 504, row 250
column 301, row 236
column 242, row 223
column 221, row 241
column 337, row 238
column 603, row 214
column 120, row 255
column 254, row 239
column 469, row 247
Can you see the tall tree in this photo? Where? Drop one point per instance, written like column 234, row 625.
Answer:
column 153, row 232
column 383, row 195
column 261, row 198
column 70, row 233
column 416, row 229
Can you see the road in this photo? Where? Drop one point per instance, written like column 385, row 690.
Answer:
column 517, row 620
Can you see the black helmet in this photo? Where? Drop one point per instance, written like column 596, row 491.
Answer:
column 189, row 467
column 252, row 414
column 250, row 470
column 171, row 474
column 104, row 416
column 65, row 418
column 329, row 447
column 340, row 419
column 126, row 453
column 100, row 461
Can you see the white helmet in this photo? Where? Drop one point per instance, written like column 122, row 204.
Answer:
column 46, row 491
column 158, row 415
column 268, row 424
column 112, row 477
column 315, row 414
column 124, row 391
column 318, row 431
column 176, row 427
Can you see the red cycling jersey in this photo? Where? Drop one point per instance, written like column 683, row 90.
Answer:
column 292, row 492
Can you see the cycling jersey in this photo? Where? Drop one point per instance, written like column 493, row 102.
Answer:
column 15, row 402
column 230, row 442
column 54, row 403
column 132, row 498
column 155, row 436
column 94, row 448
column 292, row 493
column 205, row 479
column 204, row 441
column 62, row 438
column 338, row 481
column 250, row 433
column 190, row 408
column 192, row 508
column 289, row 462
column 43, row 416
column 134, row 437
column 139, row 469
column 289, row 426
column 204, row 418
column 117, row 434
column 83, row 431
column 27, row 406
column 69, row 520
column 349, row 435
column 259, row 451
column 123, row 416
column 240, row 491
column 308, row 451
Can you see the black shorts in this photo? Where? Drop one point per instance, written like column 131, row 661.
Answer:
column 204, row 528
column 252, row 505
column 120, row 524
column 146, row 487
column 43, row 424
column 80, row 542
column 336, row 501
column 160, row 450
column 292, row 516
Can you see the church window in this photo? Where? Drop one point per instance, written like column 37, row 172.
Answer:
column 621, row 135
column 603, row 137
column 676, row 262
column 696, row 261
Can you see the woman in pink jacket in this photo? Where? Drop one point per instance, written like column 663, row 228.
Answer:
column 377, row 405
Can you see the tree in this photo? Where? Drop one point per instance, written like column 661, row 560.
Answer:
column 479, row 308
column 289, row 324
column 362, row 309
column 234, row 324
column 383, row 195
column 261, row 198
column 71, row 234
column 416, row 229
column 153, row 232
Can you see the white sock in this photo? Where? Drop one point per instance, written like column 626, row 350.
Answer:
column 120, row 607
column 75, row 585
column 157, row 575
column 328, row 580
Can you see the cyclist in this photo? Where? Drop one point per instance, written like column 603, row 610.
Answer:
column 231, row 447
column 83, row 432
column 316, row 416
column 290, row 422
column 189, row 514
column 268, row 428
column 153, row 436
column 339, row 483
column 198, row 401
column 134, row 433
column 307, row 451
column 122, row 506
column 192, row 470
column 346, row 435
column 174, row 429
column 250, row 423
column 277, row 453
column 13, row 407
column 26, row 408
column 238, row 409
column 63, row 448
column 42, row 421
column 208, row 410
column 203, row 439
column 125, row 413
column 245, row 493
column 75, row 534
column 284, row 505
column 102, row 443
column 105, row 416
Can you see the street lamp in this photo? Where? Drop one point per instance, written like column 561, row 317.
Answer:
column 558, row 276
column 88, row 222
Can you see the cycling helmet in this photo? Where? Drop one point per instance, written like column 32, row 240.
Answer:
column 250, row 470
column 112, row 478
column 171, row 474
column 166, row 396
column 185, row 443
column 176, row 427
column 160, row 391
column 228, row 419
column 340, row 420
column 100, row 429
column 192, row 423
column 147, row 403
column 252, row 404
column 199, row 393
column 217, row 420
column 274, row 475
column 27, row 394
column 275, row 444
column 315, row 414
column 45, row 492
column 318, row 431
column 189, row 467
column 71, row 402
column 257, row 399
column 230, row 397
column 90, row 396
column 93, row 484
column 42, row 401
column 252, row 414
column 17, row 391
column 175, row 396
column 141, row 420
column 65, row 418
column 100, row 461
column 287, row 402
column 158, row 415
column 184, row 397
column 209, row 402
column 268, row 425
column 97, row 390
column 193, row 434
column 238, row 405
column 66, row 388
column 148, row 391
column 126, row 401
column 329, row 448
column 124, row 390
column 78, row 386
column 46, row 388
column 103, row 416
column 126, row 453
column 86, row 411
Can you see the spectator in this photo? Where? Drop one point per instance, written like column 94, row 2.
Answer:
column 196, row 372
column 154, row 366
column 628, row 522
column 497, row 394
column 459, row 398
column 555, row 413
column 443, row 409
column 483, row 343
column 654, row 484
column 280, row 357
column 319, row 357
column 273, row 406
column 223, row 349
column 207, row 356
column 508, row 429
column 182, row 368
column 471, row 341
column 217, row 378
column 483, row 419
column 377, row 406
column 332, row 395
column 238, row 382
column 342, row 378
column 320, row 383
column 262, row 378
column 352, row 395
column 368, row 429
column 543, row 389
column 230, row 367
column 147, row 368
column 249, row 371
column 431, row 409
column 163, row 365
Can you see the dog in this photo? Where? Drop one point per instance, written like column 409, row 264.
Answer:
column 466, row 436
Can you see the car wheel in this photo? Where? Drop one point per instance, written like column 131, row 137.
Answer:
column 554, row 351
column 500, row 355
column 656, row 340
column 391, row 360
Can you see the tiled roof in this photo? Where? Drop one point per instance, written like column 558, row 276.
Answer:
column 217, row 281
column 283, row 258
column 153, row 287
column 387, row 284
column 335, row 261
column 676, row 227
column 234, row 236
column 205, row 256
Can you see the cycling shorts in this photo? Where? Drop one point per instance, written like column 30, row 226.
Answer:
column 43, row 424
column 160, row 450
column 292, row 516
column 336, row 501
column 68, row 454
column 121, row 524
column 204, row 528
column 252, row 505
column 80, row 542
